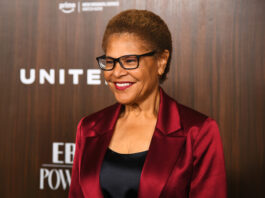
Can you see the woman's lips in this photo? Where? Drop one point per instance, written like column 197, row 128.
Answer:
column 123, row 85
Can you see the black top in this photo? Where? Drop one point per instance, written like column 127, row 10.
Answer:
column 120, row 174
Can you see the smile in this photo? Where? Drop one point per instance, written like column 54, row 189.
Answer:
column 123, row 85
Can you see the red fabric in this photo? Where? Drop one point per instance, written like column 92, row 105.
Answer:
column 185, row 157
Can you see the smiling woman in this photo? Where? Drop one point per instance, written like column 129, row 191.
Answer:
column 147, row 144
column 131, row 86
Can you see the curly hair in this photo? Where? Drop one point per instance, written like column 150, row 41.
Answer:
column 147, row 26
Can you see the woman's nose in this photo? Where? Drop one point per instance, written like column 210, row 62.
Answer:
column 118, row 70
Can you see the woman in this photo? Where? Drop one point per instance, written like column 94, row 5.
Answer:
column 147, row 144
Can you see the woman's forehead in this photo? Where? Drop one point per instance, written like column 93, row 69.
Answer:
column 126, row 42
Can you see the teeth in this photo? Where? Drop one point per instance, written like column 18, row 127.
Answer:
column 123, row 84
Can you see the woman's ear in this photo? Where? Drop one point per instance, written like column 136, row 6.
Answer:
column 162, row 61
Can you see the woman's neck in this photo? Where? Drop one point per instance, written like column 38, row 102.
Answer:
column 147, row 108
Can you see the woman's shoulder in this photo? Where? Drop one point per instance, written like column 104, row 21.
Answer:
column 102, row 116
column 190, row 117
column 197, row 121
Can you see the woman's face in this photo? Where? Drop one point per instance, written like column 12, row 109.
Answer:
column 132, row 86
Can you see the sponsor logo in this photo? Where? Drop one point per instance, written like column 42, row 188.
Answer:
column 67, row 7
column 52, row 76
column 87, row 6
column 58, row 173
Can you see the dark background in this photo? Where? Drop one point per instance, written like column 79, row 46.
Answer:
column 217, row 68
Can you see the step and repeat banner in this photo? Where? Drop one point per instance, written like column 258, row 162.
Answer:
column 50, row 80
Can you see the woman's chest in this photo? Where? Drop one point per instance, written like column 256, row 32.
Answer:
column 132, row 138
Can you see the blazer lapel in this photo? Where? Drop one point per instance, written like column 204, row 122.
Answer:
column 165, row 147
column 95, row 145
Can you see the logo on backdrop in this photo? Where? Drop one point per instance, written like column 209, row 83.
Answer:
column 58, row 173
column 52, row 76
column 67, row 7
column 70, row 7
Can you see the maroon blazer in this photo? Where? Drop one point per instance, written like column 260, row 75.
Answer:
column 185, row 157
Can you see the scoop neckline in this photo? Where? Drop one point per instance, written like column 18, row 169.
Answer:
column 128, row 154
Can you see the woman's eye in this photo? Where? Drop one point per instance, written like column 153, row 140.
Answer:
column 109, row 61
column 131, row 60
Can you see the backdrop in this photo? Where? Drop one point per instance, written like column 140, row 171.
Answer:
column 49, row 80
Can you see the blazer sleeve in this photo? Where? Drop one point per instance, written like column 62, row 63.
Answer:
column 209, row 176
column 75, row 188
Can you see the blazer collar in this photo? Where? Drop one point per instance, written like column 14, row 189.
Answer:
column 166, row 122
